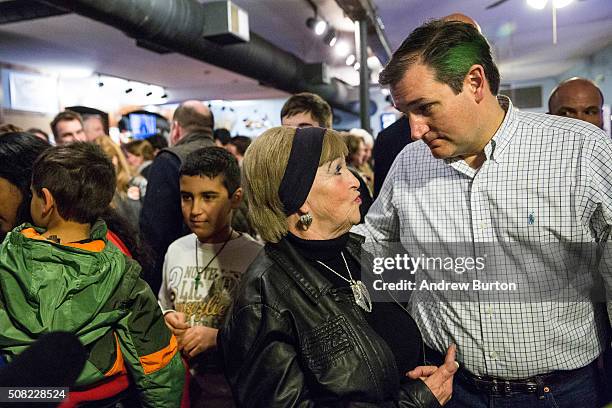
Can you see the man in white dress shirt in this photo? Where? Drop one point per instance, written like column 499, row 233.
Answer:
column 480, row 171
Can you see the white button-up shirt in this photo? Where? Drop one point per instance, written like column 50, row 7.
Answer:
column 546, row 179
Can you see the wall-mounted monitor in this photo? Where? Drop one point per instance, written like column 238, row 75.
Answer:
column 142, row 125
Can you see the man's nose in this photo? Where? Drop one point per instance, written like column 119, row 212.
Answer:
column 418, row 127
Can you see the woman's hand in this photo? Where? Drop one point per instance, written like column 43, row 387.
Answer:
column 197, row 339
column 439, row 379
column 176, row 323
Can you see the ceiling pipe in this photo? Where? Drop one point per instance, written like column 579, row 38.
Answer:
column 178, row 26
column 365, row 10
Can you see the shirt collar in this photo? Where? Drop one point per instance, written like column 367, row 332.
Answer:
column 498, row 143
column 494, row 148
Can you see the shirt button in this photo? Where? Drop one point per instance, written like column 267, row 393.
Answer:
column 489, row 310
column 493, row 355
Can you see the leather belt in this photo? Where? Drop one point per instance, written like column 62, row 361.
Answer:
column 502, row 387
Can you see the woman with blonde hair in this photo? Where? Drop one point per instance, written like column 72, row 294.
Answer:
column 139, row 155
column 303, row 330
column 131, row 188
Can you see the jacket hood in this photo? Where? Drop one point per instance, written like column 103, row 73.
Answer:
column 46, row 286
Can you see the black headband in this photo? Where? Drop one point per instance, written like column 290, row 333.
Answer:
column 301, row 168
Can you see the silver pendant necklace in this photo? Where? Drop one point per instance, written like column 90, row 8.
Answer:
column 360, row 292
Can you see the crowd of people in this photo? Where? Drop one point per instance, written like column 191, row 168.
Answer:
column 220, row 271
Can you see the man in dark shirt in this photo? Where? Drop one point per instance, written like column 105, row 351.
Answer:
column 161, row 220
column 387, row 146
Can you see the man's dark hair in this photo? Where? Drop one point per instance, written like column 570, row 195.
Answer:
column 450, row 48
column 80, row 177
column 242, row 143
column 64, row 116
column 307, row 102
column 193, row 121
column 9, row 128
column 222, row 135
column 41, row 132
column 18, row 151
column 210, row 162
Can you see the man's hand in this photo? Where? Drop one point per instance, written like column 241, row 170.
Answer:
column 176, row 323
column 198, row 339
column 439, row 379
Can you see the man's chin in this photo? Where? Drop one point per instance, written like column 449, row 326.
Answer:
column 440, row 153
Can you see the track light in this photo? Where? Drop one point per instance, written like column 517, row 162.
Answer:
column 100, row 83
column 164, row 96
column 342, row 48
column 331, row 37
column 317, row 25
column 127, row 91
column 357, row 66
column 149, row 93
column 350, row 60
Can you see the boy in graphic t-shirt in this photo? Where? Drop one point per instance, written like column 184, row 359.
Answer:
column 202, row 270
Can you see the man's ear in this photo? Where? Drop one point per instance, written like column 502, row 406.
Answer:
column 237, row 198
column 175, row 133
column 476, row 82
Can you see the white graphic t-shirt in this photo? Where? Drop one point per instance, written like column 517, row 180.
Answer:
column 218, row 282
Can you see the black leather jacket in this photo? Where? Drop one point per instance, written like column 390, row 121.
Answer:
column 291, row 340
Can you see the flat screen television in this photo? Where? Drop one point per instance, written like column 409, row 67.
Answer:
column 142, row 125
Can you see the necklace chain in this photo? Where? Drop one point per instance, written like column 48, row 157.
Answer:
column 351, row 280
column 198, row 271
column 360, row 291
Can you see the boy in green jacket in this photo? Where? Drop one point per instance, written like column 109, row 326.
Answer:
column 62, row 275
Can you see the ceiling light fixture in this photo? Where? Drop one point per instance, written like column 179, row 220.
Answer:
column 541, row 4
column 317, row 25
column 562, row 3
column 331, row 37
column 342, row 48
column 537, row 4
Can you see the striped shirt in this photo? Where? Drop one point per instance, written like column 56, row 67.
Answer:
column 546, row 179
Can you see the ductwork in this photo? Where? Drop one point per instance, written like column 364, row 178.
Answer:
column 178, row 25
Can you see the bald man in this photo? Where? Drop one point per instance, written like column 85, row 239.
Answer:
column 577, row 98
column 161, row 220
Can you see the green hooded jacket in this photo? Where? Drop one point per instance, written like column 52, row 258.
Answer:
column 95, row 292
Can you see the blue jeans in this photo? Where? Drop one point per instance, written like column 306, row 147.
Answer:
column 579, row 391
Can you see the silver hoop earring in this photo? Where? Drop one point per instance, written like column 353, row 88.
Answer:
column 305, row 221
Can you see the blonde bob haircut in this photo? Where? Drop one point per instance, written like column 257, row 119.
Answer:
column 263, row 168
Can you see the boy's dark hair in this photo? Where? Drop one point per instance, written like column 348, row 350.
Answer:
column 450, row 48
column 242, row 143
column 210, row 162
column 80, row 177
column 66, row 115
column 18, row 151
column 308, row 102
